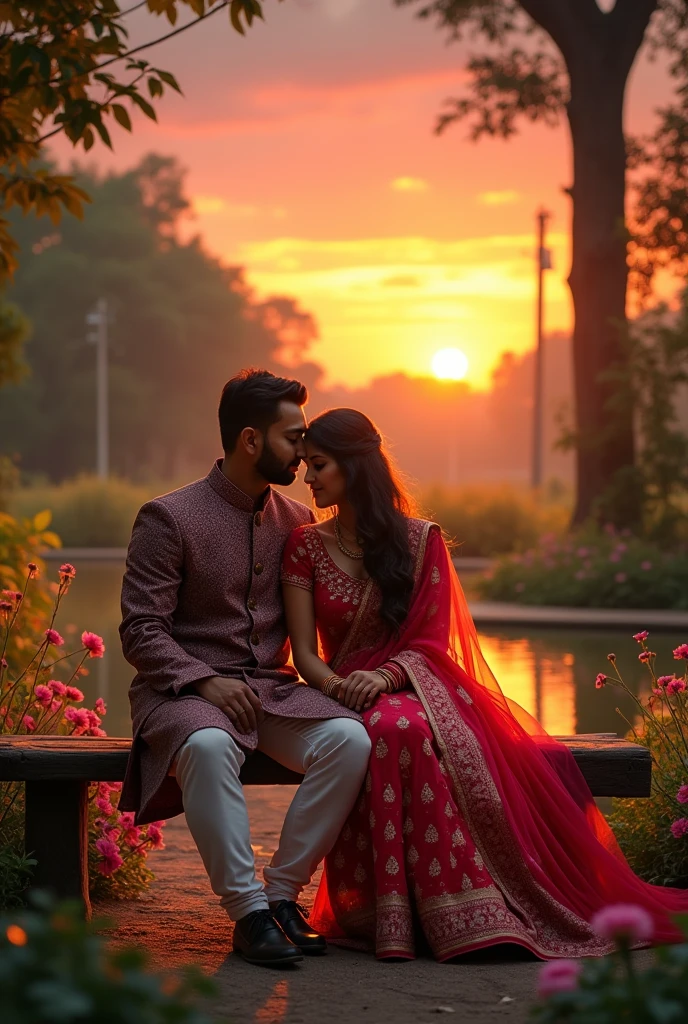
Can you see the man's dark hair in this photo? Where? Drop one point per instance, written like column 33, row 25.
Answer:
column 251, row 399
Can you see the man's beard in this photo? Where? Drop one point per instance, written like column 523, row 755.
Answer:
column 274, row 471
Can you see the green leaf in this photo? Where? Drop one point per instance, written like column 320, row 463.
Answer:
column 121, row 115
column 169, row 79
column 144, row 105
column 88, row 139
column 155, row 87
column 235, row 9
column 102, row 131
column 42, row 520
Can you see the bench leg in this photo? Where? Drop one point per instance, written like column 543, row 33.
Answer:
column 56, row 834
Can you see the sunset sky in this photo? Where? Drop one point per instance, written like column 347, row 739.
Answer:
column 311, row 160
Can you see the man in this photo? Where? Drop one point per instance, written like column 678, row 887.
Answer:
column 203, row 626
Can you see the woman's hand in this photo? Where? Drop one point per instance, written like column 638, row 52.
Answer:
column 361, row 689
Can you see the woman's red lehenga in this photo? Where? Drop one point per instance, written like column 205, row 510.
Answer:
column 474, row 827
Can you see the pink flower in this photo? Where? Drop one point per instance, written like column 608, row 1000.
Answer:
column 676, row 686
column 79, row 717
column 615, row 557
column 3, row 662
column 67, row 571
column 126, row 819
column 600, row 680
column 558, row 976
column 109, row 853
column 645, row 656
column 44, row 695
column 624, row 923
column 155, row 837
column 100, row 707
column 682, row 795
column 643, row 635
column 658, row 691
column 646, row 566
column 72, row 693
column 29, row 723
column 94, row 644
column 12, row 595
column 55, row 705
column 611, row 657
column 115, row 786
column 681, row 652
column 93, row 720
column 679, row 827
column 104, row 806
column 665, row 680
column 620, row 577
column 6, row 607
column 33, row 570
column 54, row 637
column 96, row 731
column 583, row 552
column 132, row 836
column 57, row 687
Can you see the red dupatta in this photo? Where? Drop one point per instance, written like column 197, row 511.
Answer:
column 531, row 815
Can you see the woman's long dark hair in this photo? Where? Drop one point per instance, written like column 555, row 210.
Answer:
column 378, row 498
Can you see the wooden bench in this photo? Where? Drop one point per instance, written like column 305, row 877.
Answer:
column 58, row 769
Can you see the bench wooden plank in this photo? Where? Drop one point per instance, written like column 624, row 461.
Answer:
column 611, row 766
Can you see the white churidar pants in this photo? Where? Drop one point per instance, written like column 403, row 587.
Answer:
column 333, row 755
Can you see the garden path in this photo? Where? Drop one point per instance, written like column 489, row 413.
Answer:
column 180, row 922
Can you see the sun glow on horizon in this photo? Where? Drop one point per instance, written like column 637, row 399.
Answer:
column 450, row 364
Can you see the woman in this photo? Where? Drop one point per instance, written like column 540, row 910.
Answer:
column 474, row 827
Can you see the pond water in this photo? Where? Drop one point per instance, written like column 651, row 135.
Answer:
column 550, row 672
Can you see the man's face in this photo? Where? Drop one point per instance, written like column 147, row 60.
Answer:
column 283, row 446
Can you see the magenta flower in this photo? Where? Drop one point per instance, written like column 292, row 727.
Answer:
column 643, row 635
column 155, row 837
column 33, row 570
column 600, row 680
column 55, row 705
column 54, row 637
column 94, row 644
column 624, row 923
column 679, row 828
column 645, row 656
column 6, row 607
column 132, row 835
column 67, row 571
column 681, row 652
column 558, row 976
column 115, row 786
column 44, row 695
column 104, row 806
column 79, row 718
column 12, row 595
column 664, row 680
column 110, row 858
column 100, row 707
column 73, row 693
column 29, row 723
column 126, row 819
column 611, row 657
column 58, row 688
column 682, row 795
column 676, row 686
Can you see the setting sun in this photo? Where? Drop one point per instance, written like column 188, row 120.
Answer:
column 450, row 364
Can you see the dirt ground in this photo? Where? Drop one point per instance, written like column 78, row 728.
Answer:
column 180, row 922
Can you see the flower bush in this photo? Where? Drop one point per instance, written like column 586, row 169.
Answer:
column 56, row 967
column 610, row 989
column 594, row 569
column 39, row 695
column 653, row 831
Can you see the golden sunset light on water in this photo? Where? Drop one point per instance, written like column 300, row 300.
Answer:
column 450, row 364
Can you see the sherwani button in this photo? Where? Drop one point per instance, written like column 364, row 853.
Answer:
column 255, row 639
column 252, row 604
column 258, row 518
column 258, row 568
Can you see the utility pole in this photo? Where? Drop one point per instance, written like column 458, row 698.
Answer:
column 98, row 319
column 544, row 262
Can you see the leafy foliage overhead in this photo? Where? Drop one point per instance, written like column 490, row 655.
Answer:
column 66, row 66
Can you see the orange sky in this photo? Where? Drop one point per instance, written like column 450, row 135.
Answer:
column 312, row 161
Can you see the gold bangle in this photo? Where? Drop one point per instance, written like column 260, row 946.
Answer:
column 388, row 678
column 331, row 684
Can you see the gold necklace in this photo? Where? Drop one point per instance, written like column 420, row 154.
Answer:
column 340, row 543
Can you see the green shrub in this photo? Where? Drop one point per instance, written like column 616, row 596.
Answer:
column 489, row 520
column 591, row 568
column 87, row 512
column 56, row 969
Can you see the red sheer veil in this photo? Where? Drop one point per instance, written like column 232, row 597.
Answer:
column 530, row 812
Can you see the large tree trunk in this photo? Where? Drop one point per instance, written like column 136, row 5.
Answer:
column 598, row 281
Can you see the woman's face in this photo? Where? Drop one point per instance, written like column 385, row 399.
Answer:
column 324, row 477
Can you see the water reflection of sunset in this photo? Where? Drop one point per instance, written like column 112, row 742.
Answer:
column 544, row 686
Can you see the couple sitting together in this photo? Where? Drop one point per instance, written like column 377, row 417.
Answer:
column 447, row 818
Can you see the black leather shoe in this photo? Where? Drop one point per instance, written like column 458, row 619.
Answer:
column 290, row 917
column 259, row 940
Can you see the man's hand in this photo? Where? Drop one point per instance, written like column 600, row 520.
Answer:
column 361, row 689
column 236, row 699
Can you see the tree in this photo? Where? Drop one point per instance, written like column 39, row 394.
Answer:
column 574, row 60
column 66, row 67
column 181, row 324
